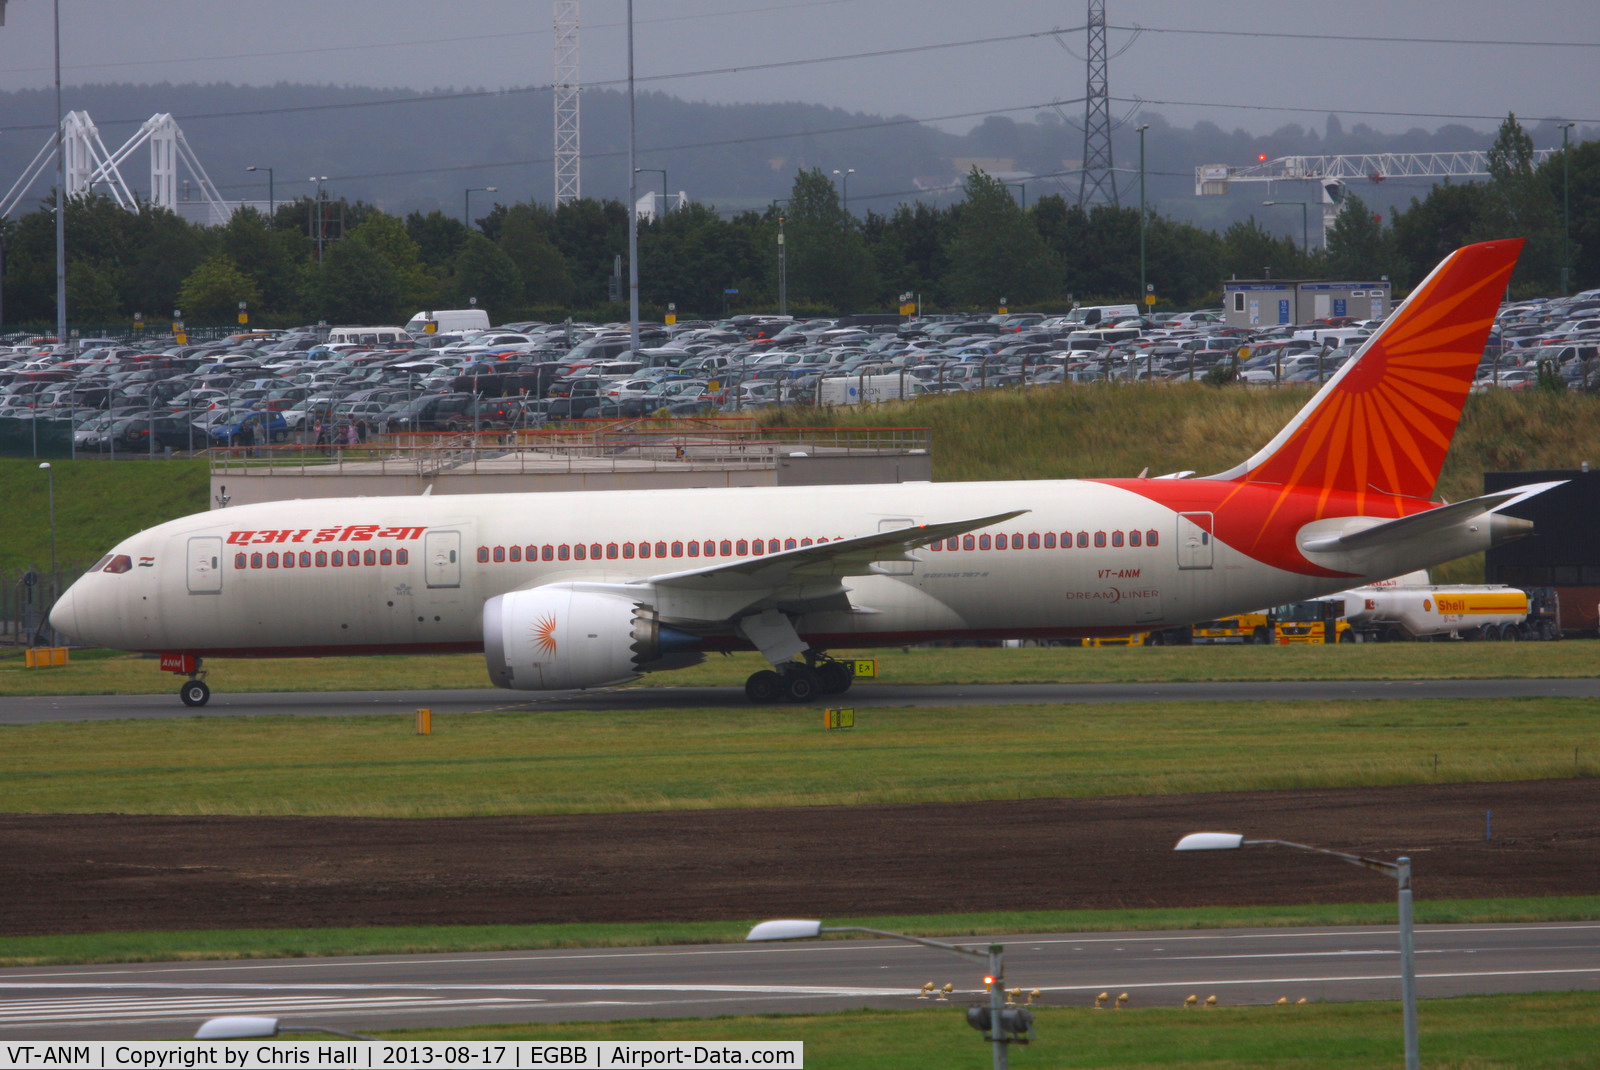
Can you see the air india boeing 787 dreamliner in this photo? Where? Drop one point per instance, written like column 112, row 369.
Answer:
column 579, row 590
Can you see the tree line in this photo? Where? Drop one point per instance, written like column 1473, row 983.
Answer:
column 529, row 261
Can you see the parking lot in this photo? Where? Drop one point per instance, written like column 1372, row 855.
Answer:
column 295, row 387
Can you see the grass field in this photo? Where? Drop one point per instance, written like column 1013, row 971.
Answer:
column 1553, row 1031
column 453, row 939
column 111, row 673
column 551, row 762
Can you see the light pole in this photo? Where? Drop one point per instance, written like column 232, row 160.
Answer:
column 50, row 474
column 783, row 263
column 317, row 205
column 633, row 203
column 662, row 171
column 1305, row 230
column 1566, row 210
column 466, row 201
column 1004, row 1026
column 245, row 1027
column 1023, row 186
column 1399, row 869
column 272, row 201
column 1142, row 290
column 845, row 175
column 61, row 199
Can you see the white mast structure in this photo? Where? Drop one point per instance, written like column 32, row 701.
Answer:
column 566, row 102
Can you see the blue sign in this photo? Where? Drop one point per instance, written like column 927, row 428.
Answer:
column 730, row 291
column 1283, row 311
column 1338, row 307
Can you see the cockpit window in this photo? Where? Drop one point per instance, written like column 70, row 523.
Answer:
column 100, row 564
column 120, row 563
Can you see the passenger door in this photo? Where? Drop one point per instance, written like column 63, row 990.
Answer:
column 1194, row 540
column 441, row 555
column 205, row 564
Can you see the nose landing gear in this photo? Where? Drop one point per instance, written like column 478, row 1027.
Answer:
column 194, row 692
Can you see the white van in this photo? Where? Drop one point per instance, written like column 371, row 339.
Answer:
column 368, row 336
column 1333, row 336
column 449, row 319
column 1094, row 315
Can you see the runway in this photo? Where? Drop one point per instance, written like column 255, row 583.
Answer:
column 34, row 710
column 1241, row 966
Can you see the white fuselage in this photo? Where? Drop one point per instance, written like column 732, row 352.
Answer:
column 217, row 583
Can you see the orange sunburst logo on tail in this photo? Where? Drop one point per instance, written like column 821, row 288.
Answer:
column 544, row 635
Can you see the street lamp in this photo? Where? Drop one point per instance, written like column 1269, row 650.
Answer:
column 1142, row 290
column 466, row 201
column 55, row 583
column 783, row 262
column 1566, row 209
column 1004, row 1027
column 317, row 204
column 272, row 203
column 248, row 1026
column 1305, row 230
column 1400, row 870
column 845, row 175
column 662, row 171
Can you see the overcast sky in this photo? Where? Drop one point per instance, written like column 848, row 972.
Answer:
column 1254, row 82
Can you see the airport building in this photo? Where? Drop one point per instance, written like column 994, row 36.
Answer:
column 1273, row 302
column 1563, row 551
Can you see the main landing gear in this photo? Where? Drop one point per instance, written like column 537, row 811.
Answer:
column 798, row 681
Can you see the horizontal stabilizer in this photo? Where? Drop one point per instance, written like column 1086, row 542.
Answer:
column 1422, row 524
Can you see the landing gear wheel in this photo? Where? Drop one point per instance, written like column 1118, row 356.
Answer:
column 836, row 677
column 764, row 686
column 801, row 684
column 194, row 693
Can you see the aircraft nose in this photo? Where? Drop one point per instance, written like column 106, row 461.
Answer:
column 64, row 614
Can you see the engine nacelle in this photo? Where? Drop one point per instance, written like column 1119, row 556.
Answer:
column 560, row 636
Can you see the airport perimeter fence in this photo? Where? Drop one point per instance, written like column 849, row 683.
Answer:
column 25, row 607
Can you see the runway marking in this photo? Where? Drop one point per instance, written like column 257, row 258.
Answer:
column 1013, row 940
column 578, row 986
column 1458, row 975
column 80, row 1011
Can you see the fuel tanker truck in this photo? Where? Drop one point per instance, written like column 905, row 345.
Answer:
column 1409, row 607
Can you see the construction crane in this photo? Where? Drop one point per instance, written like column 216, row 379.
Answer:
column 1333, row 173
column 568, row 186
column 90, row 166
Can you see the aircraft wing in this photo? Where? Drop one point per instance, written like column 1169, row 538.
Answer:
column 824, row 561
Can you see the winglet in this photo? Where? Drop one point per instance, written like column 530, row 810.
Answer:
column 1382, row 425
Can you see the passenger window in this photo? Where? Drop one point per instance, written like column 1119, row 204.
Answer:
column 1133, row 538
column 1152, row 538
column 661, row 549
column 272, row 560
column 968, row 542
column 611, row 551
column 627, row 550
column 385, row 557
column 581, row 552
column 936, row 545
column 322, row 558
column 1116, row 538
column 1099, row 539
column 677, row 549
column 694, row 548
column 758, row 547
column 644, row 549
column 788, row 544
column 1033, row 541
column 483, row 554
column 594, row 551
column 983, row 542
column 1083, row 539
column 238, row 561
column 999, row 542
column 516, row 553
column 1016, row 541
column 370, row 557
column 772, row 546
column 805, row 542
column 338, row 558
column 1049, row 540
column 742, row 548
column 499, row 554
column 727, row 548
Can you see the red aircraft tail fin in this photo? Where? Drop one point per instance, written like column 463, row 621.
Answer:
column 1383, row 424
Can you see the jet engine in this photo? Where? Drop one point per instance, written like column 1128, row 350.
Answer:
column 563, row 636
